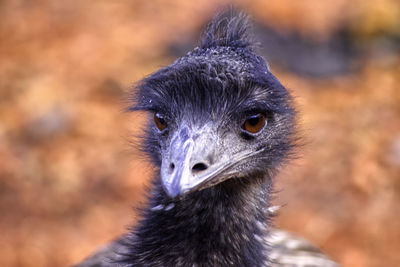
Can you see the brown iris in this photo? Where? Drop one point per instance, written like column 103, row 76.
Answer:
column 254, row 123
column 159, row 121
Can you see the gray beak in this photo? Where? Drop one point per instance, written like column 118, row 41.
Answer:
column 190, row 161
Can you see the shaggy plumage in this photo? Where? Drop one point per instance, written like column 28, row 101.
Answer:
column 222, row 126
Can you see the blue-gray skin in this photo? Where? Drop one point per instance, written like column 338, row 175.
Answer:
column 209, row 201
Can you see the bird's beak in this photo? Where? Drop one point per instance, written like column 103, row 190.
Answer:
column 190, row 163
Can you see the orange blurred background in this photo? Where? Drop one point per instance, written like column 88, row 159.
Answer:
column 69, row 176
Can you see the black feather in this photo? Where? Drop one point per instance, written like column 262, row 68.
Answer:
column 230, row 29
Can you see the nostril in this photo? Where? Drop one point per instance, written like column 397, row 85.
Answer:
column 171, row 166
column 199, row 167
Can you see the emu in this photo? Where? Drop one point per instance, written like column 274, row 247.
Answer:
column 221, row 126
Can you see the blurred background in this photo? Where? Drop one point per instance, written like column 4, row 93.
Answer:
column 69, row 175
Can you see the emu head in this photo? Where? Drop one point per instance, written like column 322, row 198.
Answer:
column 218, row 113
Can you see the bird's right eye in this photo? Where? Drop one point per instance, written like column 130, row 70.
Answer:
column 160, row 122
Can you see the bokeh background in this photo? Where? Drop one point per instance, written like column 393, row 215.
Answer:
column 69, row 175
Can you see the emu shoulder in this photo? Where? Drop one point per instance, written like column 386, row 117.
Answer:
column 287, row 251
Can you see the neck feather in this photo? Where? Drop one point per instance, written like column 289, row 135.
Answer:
column 224, row 225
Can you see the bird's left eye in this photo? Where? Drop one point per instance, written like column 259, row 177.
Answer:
column 159, row 121
column 254, row 123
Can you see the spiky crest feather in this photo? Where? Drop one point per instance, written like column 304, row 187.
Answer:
column 229, row 29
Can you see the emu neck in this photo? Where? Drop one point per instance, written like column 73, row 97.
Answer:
column 224, row 225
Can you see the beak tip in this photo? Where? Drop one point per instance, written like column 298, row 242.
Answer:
column 173, row 191
column 172, row 194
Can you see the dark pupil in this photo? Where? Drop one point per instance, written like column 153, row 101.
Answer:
column 253, row 120
column 161, row 119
